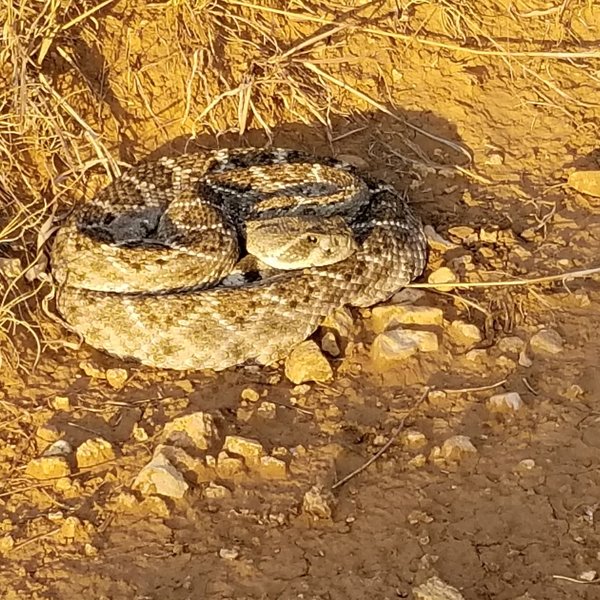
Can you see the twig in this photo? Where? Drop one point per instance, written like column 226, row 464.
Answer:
column 481, row 388
column 573, row 580
column 582, row 273
column 394, row 435
column 34, row 538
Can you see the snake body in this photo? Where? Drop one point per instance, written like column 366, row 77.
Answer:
column 141, row 266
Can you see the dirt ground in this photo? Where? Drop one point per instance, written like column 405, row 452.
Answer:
column 481, row 111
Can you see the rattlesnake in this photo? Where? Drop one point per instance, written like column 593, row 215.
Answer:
column 140, row 268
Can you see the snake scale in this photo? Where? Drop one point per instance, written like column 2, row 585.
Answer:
column 141, row 267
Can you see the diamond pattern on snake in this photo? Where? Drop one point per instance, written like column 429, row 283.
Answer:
column 206, row 261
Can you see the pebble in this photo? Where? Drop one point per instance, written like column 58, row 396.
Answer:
column 391, row 347
column 464, row 334
column 494, row 158
column 267, row 410
column 59, row 448
column 524, row 360
column 7, row 543
column 588, row 575
column 508, row 402
column 117, row 378
column 272, row 468
column 229, row 553
column 94, row 452
column 511, row 345
column 390, row 316
column 61, row 403
column 196, row 430
column 307, row 363
column 138, row 433
column 91, row 370
column 159, row 476
column 435, row 589
column 184, row 463
column 527, row 464
column 341, row 321
column 318, row 503
column 443, row 275
column 457, row 447
column 463, row 233
column 48, row 467
column 546, row 341
column 45, row 436
column 214, row 491
column 329, row 344
column 585, row 182
column 407, row 296
column 229, row 467
column 251, row 450
column 413, row 439
column 250, row 395
column 11, row 267
column 436, row 241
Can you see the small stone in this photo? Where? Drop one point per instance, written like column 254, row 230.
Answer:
column 46, row 435
column 435, row 589
column 229, row 467
column 546, row 341
column 457, row 447
column 139, row 434
column 443, row 275
column 194, row 469
column 436, row 241
column 89, row 550
column 495, row 158
column 524, row 360
column 588, row 575
column 272, row 468
column 156, row 506
column 488, row 236
column 463, row 233
column 413, row 439
column 392, row 347
column 267, row 410
column 391, row 316
column 508, row 402
column 11, row 267
column 117, row 378
column 329, row 344
column 61, row 403
column 340, row 321
column 70, row 528
column 196, row 430
column 355, row 161
column 91, row 370
column 7, row 543
column 511, row 345
column 407, row 296
column 479, row 355
column 418, row 461
column 159, row 476
column 318, row 503
column 49, row 467
column 229, row 553
column 585, row 182
column 250, row 395
column 59, row 448
column 527, row 464
column 464, row 334
column 214, row 491
column 94, row 452
column 251, row 450
column 307, row 363
column 126, row 501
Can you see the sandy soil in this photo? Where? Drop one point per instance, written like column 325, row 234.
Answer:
column 498, row 523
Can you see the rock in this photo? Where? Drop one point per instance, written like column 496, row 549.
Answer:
column 138, row 433
column 413, row 439
column 464, row 334
column 511, row 345
column 585, row 182
column 229, row 467
column 159, row 476
column 318, row 503
column 251, row 450
column 587, row 576
column 527, row 464
column 494, row 158
column 435, row 589
column 508, row 402
column 329, row 344
column 117, row 378
column 214, row 491
column 307, row 363
column 443, row 275
column 407, row 296
column 392, row 347
column 59, row 448
column 546, row 341
column 456, row 448
column 194, row 469
column 229, row 553
column 272, row 468
column 341, row 321
column 45, row 436
column 390, row 316
column 524, row 360
column 91, row 370
column 196, row 431
column 61, row 403
column 7, row 543
column 48, row 467
column 354, row 160
column 94, row 452
column 463, row 233
column 267, row 410
column 479, row 355
column 250, row 395
column 11, row 267
column 436, row 241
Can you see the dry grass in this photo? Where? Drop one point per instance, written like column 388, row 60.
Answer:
column 68, row 101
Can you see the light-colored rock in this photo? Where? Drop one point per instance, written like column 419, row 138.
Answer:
column 250, row 450
column 46, row 435
column 511, row 345
column 7, row 543
column 478, row 355
column 524, row 360
column 272, row 468
column 588, row 576
column 59, row 448
column 48, row 467
column 546, row 341
column 329, row 344
column 435, row 589
column 61, row 403
column 341, row 321
column 464, row 334
column 192, row 468
column 391, row 316
column 495, row 158
column 413, row 439
column 196, row 430
column 230, row 467
column 508, row 402
column 307, row 363
column 443, row 275
column 527, row 464
column 426, row 341
column 250, row 395
column 267, row 410
column 11, row 267
column 436, row 241
column 117, row 378
column 407, row 296
column 91, row 370
column 456, row 448
column 229, row 553
column 159, row 476
column 318, row 503
column 354, row 160
column 214, row 491
column 463, row 233
column 139, row 434
column 94, row 452
column 585, row 182
column 392, row 347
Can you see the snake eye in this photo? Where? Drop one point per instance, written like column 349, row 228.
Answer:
column 312, row 239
